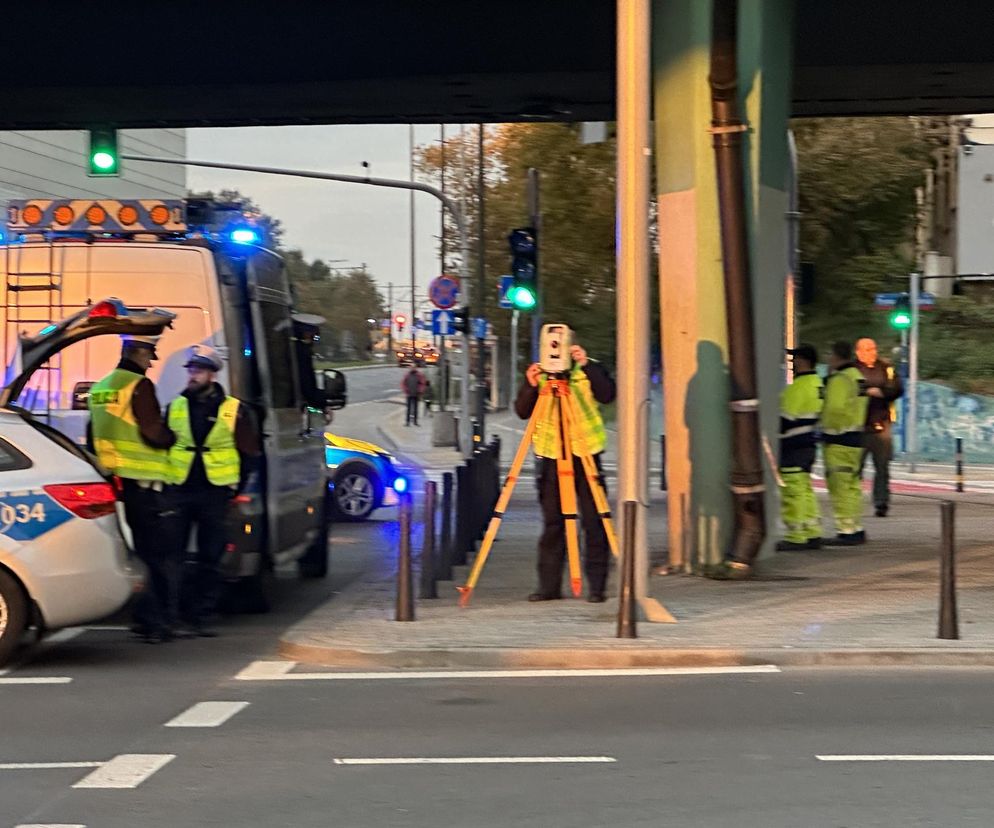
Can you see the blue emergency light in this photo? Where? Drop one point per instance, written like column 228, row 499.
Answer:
column 400, row 485
column 245, row 235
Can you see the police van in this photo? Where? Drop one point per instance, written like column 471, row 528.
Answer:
column 205, row 263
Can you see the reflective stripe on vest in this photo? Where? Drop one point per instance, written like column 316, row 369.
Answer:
column 220, row 456
column 589, row 435
column 116, row 436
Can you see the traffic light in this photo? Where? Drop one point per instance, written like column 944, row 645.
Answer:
column 523, row 294
column 900, row 317
column 460, row 320
column 103, row 159
column 400, row 320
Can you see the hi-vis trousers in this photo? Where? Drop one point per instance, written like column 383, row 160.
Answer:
column 844, row 489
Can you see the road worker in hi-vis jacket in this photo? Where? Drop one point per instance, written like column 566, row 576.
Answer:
column 800, row 408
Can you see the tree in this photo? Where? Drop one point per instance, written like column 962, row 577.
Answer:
column 577, row 264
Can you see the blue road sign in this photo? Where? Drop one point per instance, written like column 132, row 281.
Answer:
column 444, row 292
column 505, row 286
column 442, row 323
column 888, row 301
column 479, row 327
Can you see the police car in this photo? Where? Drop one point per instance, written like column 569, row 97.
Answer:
column 62, row 557
column 364, row 477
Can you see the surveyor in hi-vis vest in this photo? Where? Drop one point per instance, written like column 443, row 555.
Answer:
column 589, row 384
column 214, row 453
column 843, row 418
column 130, row 438
column 800, row 408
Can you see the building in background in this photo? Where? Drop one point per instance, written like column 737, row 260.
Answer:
column 52, row 164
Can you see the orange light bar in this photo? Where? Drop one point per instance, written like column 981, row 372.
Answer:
column 32, row 214
column 63, row 215
column 96, row 214
column 159, row 214
column 127, row 215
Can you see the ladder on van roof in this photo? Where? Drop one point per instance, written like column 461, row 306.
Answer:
column 32, row 299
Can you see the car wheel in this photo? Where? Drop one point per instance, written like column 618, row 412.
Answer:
column 13, row 615
column 355, row 494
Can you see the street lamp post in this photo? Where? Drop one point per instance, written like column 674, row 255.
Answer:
column 465, row 424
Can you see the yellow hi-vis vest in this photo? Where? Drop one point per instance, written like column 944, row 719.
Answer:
column 843, row 414
column 116, row 436
column 588, row 435
column 221, row 461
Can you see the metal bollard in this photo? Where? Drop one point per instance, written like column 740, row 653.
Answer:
column 405, row 585
column 445, row 557
column 481, row 462
column 626, row 592
column 429, row 588
column 662, row 462
column 462, row 543
column 959, row 464
column 948, row 619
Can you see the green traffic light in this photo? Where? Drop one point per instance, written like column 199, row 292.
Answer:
column 522, row 298
column 900, row 320
column 103, row 160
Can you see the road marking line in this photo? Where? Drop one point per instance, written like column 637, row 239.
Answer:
column 280, row 671
column 67, row 634
column 480, row 760
column 264, row 670
column 127, row 770
column 36, row 680
column 207, row 714
column 48, row 765
column 907, row 757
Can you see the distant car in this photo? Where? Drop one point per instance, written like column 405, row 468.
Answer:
column 430, row 355
column 63, row 560
column 405, row 356
column 363, row 476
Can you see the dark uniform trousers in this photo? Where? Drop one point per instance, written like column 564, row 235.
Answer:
column 552, row 544
column 880, row 446
column 147, row 513
column 207, row 508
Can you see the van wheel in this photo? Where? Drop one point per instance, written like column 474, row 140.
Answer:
column 314, row 563
column 249, row 595
column 13, row 615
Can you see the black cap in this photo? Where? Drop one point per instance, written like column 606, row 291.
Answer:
column 808, row 352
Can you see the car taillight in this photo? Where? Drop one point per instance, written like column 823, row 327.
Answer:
column 85, row 500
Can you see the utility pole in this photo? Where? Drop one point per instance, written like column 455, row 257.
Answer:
column 390, row 320
column 413, row 319
column 481, row 351
column 535, row 220
column 912, row 423
column 443, row 392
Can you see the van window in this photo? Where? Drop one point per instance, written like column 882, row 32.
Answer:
column 276, row 332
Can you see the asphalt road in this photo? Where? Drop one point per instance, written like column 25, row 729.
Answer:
column 718, row 750
column 368, row 384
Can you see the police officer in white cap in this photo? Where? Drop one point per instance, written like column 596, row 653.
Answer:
column 216, row 447
column 130, row 438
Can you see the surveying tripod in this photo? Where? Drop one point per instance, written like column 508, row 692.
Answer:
column 554, row 397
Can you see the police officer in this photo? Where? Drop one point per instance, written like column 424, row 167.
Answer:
column 589, row 384
column 130, row 438
column 215, row 451
column 843, row 417
column 883, row 387
column 800, row 407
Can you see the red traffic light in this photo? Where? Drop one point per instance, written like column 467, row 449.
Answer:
column 400, row 319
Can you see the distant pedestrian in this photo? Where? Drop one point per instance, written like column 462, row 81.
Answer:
column 883, row 387
column 843, row 417
column 413, row 386
column 800, row 407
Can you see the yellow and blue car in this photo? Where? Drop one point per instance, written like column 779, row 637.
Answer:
column 363, row 477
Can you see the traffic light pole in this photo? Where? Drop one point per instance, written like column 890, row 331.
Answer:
column 465, row 424
column 912, row 424
column 535, row 219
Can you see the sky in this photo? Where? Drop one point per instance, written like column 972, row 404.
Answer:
column 330, row 220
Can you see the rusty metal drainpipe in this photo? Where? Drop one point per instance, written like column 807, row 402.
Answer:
column 727, row 129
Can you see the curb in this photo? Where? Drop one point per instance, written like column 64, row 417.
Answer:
column 628, row 656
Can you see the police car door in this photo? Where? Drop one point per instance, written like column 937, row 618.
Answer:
column 295, row 475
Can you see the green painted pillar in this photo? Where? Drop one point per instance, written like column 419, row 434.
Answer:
column 765, row 59
column 693, row 324
column 692, row 319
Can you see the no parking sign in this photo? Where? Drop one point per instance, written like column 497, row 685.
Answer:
column 444, row 292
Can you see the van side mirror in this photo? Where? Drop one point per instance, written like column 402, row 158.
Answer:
column 335, row 388
column 81, row 396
